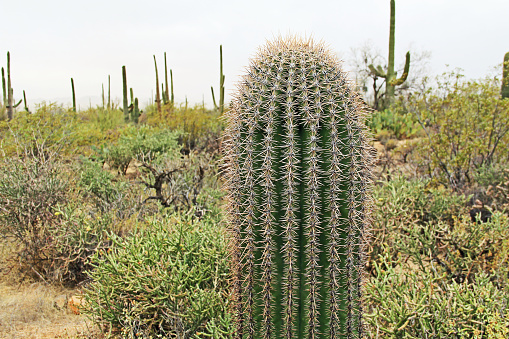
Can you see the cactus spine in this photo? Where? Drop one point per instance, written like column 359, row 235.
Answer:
column 221, row 83
column 391, row 80
column 505, row 77
column 298, row 182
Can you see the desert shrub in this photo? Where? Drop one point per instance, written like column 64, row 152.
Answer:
column 32, row 183
column 168, row 278
column 104, row 188
column 73, row 239
column 201, row 127
column 70, row 131
column 461, row 250
column 408, row 303
column 401, row 125
column 425, row 224
column 402, row 204
column 183, row 183
column 492, row 186
column 466, row 125
column 143, row 143
column 103, row 119
column 55, row 217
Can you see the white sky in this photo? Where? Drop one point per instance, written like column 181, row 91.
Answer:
column 51, row 41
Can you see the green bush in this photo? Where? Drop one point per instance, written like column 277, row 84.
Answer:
column 466, row 125
column 492, row 183
column 73, row 239
column 402, row 204
column 169, row 278
column 405, row 303
column 397, row 124
column 201, row 127
column 425, row 224
column 143, row 143
column 103, row 187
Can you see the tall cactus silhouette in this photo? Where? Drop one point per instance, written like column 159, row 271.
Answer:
column 221, row 84
column 391, row 79
column 298, row 174
column 505, row 77
column 125, row 107
column 10, row 105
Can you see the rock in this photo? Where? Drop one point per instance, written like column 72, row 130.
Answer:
column 60, row 302
column 74, row 303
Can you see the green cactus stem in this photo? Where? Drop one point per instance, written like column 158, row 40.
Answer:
column 10, row 108
column 391, row 80
column 298, row 169
column 221, row 83
column 158, row 97
column 109, row 93
column 172, row 96
column 136, row 111
column 73, row 96
column 25, row 101
column 505, row 77
column 4, row 89
column 166, row 93
column 124, row 95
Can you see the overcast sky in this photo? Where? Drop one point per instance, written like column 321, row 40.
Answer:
column 51, row 41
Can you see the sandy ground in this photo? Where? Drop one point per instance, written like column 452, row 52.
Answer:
column 29, row 311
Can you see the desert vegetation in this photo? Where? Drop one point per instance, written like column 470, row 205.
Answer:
column 121, row 207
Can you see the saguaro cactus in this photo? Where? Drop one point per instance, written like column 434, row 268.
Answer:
column 298, row 181
column 10, row 92
column 124, row 95
column 73, row 96
column 158, row 97
column 221, row 83
column 505, row 77
column 391, row 80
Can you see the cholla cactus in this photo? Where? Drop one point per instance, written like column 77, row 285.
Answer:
column 298, row 169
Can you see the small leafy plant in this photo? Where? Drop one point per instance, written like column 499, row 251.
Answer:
column 169, row 278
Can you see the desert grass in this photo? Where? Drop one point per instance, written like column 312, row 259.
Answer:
column 28, row 309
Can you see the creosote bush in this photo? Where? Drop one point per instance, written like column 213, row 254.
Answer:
column 168, row 278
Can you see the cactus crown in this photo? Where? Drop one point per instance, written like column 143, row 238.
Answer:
column 298, row 181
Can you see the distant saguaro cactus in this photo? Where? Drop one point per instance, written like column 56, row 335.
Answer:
column 298, row 174
column 158, row 97
column 391, row 80
column 9, row 104
column 124, row 95
column 221, row 84
column 505, row 77
column 73, row 96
